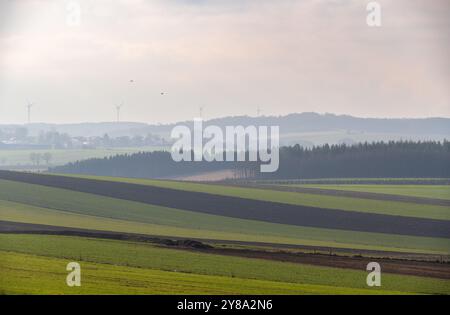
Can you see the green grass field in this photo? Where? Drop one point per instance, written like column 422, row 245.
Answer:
column 426, row 191
column 29, row 274
column 36, row 264
column 53, row 206
column 358, row 181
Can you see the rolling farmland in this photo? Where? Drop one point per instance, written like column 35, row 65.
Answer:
column 160, row 268
column 295, row 197
column 224, row 155
column 134, row 211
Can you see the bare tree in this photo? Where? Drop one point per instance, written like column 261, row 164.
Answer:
column 47, row 157
column 35, row 158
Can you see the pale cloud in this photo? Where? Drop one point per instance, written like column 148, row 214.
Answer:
column 229, row 56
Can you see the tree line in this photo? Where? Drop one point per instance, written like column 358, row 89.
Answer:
column 157, row 164
column 394, row 159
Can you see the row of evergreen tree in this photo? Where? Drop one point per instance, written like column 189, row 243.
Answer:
column 400, row 159
column 396, row 159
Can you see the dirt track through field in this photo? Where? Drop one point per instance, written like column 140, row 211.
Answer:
column 405, row 263
column 348, row 193
column 243, row 208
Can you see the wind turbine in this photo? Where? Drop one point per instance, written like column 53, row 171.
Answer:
column 29, row 111
column 118, row 107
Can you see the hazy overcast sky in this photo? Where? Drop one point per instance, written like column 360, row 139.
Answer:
column 229, row 56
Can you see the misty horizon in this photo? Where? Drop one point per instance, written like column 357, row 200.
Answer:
column 209, row 119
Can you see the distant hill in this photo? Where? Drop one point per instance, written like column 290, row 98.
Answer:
column 305, row 128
